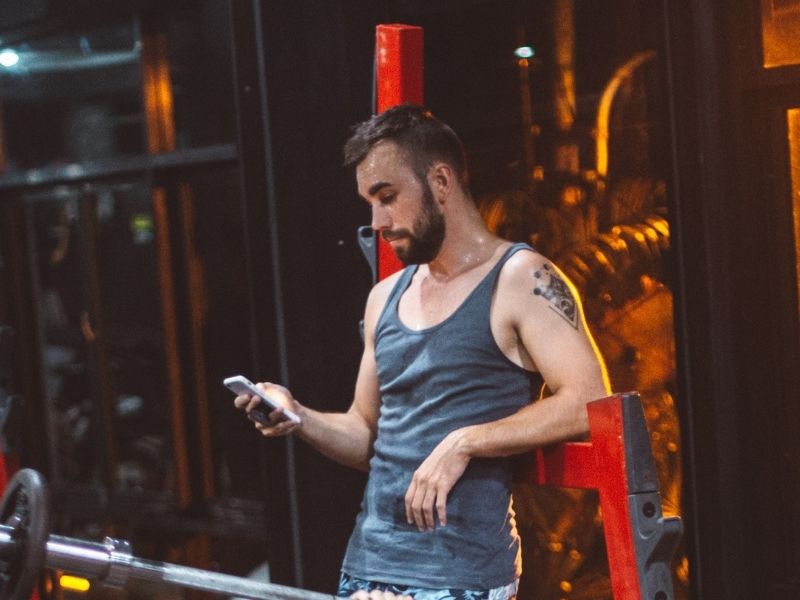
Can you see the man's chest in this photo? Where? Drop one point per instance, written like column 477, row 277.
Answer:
column 427, row 303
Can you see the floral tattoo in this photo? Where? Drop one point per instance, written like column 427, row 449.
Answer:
column 550, row 286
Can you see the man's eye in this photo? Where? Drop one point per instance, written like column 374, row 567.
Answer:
column 388, row 199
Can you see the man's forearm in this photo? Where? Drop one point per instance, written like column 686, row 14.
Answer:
column 547, row 421
column 343, row 437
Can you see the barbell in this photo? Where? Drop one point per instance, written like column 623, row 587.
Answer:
column 26, row 547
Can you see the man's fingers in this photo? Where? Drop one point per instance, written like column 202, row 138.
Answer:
column 441, row 506
column 409, row 499
column 417, row 517
column 277, row 415
column 282, row 428
column 414, row 505
column 428, row 500
column 419, row 500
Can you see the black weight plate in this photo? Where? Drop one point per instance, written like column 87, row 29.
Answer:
column 25, row 508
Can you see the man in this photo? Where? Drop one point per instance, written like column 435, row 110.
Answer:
column 455, row 347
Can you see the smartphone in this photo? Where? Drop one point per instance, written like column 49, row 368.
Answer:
column 241, row 385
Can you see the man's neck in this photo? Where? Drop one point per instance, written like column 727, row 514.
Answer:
column 467, row 244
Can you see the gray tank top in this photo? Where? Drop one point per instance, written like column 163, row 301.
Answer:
column 432, row 382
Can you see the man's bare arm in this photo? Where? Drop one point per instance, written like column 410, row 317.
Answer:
column 549, row 320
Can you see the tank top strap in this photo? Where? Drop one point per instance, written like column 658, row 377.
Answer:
column 390, row 306
column 491, row 278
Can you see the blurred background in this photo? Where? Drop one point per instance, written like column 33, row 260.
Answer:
column 173, row 210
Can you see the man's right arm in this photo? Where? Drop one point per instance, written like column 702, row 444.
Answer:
column 345, row 437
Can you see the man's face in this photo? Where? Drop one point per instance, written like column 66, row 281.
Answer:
column 404, row 210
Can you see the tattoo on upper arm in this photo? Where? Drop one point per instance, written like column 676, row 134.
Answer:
column 550, row 286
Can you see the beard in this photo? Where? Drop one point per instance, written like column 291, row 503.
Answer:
column 426, row 237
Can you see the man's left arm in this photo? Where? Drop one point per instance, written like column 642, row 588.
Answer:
column 541, row 310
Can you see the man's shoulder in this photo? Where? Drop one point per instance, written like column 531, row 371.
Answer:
column 521, row 264
column 525, row 275
column 381, row 290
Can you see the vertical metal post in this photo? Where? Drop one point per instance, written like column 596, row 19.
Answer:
column 261, row 205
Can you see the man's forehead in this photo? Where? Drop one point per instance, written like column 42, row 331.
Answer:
column 384, row 153
column 384, row 163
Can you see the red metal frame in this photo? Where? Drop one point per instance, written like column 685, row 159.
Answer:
column 608, row 463
column 398, row 79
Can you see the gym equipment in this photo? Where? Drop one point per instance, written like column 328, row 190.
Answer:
column 26, row 548
column 618, row 463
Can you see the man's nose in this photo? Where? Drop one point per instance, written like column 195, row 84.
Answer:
column 380, row 218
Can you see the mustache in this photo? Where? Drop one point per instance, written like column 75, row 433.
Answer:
column 394, row 234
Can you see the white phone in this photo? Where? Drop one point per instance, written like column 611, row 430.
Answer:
column 239, row 384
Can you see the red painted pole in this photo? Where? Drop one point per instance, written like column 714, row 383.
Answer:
column 3, row 474
column 398, row 79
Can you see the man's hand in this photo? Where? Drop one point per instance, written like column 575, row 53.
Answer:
column 377, row 595
column 278, row 423
column 434, row 479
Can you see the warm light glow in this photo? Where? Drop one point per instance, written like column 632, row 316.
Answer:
column 524, row 52
column 159, row 105
column 780, row 30
column 623, row 74
column 564, row 98
column 8, row 58
column 793, row 128
column 74, row 584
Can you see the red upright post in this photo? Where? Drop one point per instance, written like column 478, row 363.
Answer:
column 3, row 473
column 398, row 79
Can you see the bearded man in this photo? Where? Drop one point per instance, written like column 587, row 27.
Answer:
column 457, row 345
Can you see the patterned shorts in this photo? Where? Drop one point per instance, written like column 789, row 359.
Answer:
column 349, row 585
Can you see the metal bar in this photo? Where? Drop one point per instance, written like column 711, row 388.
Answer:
column 220, row 583
column 273, row 210
column 119, row 167
column 110, row 563
column 261, row 209
column 94, row 337
column 8, row 547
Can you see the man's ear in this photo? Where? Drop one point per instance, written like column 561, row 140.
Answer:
column 441, row 179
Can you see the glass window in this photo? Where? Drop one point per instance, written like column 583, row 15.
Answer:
column 118, row 90
column 71, row 97
column 102, row 343
column 138, row 290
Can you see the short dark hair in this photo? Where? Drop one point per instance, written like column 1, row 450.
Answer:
column 421, row 137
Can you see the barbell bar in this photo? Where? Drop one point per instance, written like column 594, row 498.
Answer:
column 26, row 548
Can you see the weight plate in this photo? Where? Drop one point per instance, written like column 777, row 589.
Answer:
column 25, row 508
